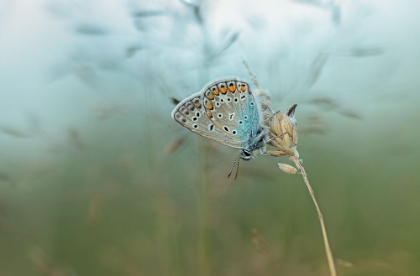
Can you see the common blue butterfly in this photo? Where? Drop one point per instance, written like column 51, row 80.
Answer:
column 227, row 112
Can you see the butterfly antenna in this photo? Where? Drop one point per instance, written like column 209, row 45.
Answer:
column 174, row 100
column 235, row 164
column 237, row 169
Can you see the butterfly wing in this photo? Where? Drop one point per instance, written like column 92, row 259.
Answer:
column 225, row 111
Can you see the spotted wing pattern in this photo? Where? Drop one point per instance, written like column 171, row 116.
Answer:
column 225, row 111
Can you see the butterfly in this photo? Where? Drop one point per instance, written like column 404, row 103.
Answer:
column 227, row 112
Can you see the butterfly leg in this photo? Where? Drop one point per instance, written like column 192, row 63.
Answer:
column 261, row 135
column 276, row 153
column 263, row 149
column 267, row 139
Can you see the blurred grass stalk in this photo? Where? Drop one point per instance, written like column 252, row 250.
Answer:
column 204, row 267
column 163, row 226
column 203, row 245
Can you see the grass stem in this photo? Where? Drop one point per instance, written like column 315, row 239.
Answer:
column 328, row 252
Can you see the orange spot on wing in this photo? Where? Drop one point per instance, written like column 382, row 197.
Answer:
column 198, row 105
column 232, row 88
column 209, row 106
column 243, row 87
column 209, row 115
column 223, row 90
column 211, row 96
column 216, row 91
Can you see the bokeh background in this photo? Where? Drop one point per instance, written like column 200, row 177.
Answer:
column 97, row 179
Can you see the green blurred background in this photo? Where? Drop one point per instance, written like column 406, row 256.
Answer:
column 97, row 179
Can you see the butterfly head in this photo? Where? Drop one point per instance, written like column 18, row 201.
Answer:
column 256, row 141
column 246, row 155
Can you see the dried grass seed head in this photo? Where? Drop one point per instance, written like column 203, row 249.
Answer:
column 287, row 168
column 283, row 133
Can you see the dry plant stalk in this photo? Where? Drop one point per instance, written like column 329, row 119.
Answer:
column 283, row 135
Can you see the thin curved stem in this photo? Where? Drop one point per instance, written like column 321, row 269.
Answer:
column 328, row 252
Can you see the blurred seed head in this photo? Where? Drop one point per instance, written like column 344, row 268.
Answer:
column 95, row 208
column 45, row 266
column 196, row 6
column 325, row 103
column 173, row 146
column 106, row 111
column 341, row 262
column 74, row 138
column 315, row 123
column 256, row 238
column 361, row 52
column 263, row 95
column 14, row 132
column 352, row 114
column 257, row 241
column 4, row 178
column 316, row 68
column 132, row 50
column 90, row 29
